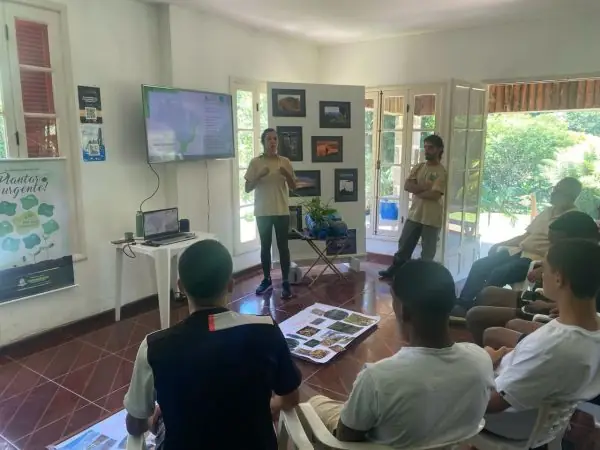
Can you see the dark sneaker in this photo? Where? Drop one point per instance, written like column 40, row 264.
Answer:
column 286, row 292
column 387, row 274
column 264, row 286
column 458, row 314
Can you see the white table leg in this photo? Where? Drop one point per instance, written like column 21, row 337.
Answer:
column 118, row 282
column 174, row 271
column 162, row 268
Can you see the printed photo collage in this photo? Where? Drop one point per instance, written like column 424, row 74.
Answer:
column 320, row 332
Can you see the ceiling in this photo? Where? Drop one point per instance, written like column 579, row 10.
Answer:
column 341, row 21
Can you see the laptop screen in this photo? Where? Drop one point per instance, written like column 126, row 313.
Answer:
column 160, row 223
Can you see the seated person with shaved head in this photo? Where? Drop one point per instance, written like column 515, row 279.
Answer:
column 218, row 376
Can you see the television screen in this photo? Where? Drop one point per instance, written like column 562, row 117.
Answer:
column 186, row 125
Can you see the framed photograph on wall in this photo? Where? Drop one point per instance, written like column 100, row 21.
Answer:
column 296, row 221
column 327, row 149
column 346, row 185
column 334, row 114
column 290, row 143
column 288, row 102
column 308, row 183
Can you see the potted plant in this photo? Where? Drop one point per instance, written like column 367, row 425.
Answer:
column 318, row 217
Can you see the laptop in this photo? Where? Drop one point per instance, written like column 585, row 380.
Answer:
column 161, row 227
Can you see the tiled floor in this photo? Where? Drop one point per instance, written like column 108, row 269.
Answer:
column 81, row 375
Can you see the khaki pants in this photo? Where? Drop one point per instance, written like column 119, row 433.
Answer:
column 328, row 410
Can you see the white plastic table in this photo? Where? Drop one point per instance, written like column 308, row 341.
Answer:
column 166, row 258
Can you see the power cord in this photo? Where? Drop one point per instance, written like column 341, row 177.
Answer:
column 131, row 253
column 207, row 195
column 155, row 190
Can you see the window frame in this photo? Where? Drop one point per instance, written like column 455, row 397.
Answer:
column 257, row 88
column 64, row 99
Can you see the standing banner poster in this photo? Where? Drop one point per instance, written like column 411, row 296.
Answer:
column 35, row 250
column 90, row 123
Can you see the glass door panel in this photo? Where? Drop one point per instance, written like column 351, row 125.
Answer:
column 461, row 242
column 389, row 196
column 371, row 110
column 422, row 122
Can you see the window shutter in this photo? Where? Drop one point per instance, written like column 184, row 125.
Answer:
column 36, row 86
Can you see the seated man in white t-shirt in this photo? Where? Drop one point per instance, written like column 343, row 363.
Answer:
column 433, row 390
column 560, row 362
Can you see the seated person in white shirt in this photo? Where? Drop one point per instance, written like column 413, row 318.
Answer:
column 508, row 262
column 432, row 391
column 560, row 362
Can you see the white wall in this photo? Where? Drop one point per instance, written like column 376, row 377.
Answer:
column 115, row 51
column 129, row 43
column 521, row 50
column 206, row 52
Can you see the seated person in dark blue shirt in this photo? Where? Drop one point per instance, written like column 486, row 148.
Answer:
column 218, row 376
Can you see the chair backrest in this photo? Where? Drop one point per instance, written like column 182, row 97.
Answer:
column 317, row 429
column 552, row 422
column 455, row 444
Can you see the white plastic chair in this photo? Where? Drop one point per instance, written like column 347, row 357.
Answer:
column 324, row 439
column 289, row 427
column 550, row 426
column 136, row 442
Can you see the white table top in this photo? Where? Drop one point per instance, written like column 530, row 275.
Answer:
column 175, row 247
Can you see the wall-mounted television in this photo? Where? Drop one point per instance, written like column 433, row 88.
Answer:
column 184, row 125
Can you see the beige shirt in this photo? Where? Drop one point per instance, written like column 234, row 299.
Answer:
column 536, row 243
column 271, row 195
column 424, row 211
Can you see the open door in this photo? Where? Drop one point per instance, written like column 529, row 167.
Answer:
column 390, row 161
column 468, row 114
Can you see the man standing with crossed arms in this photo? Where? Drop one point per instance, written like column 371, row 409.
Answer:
column 427, row 184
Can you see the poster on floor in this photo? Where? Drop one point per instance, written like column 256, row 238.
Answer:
column 319, row 332
column 343, row 245
column 35, row 254
column 110, row 434
column 91, row 124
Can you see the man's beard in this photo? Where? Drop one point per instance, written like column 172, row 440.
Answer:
column 429, row 157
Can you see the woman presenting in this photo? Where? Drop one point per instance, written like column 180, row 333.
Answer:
column 271, row 177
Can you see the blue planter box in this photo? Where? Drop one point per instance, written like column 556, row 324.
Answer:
column 388, row 210
column 334, row 227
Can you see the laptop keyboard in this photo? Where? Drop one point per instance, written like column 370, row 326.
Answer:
column 173, row 238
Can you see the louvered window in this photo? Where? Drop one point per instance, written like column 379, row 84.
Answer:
column 35, row 70
column 544, row 96
column 33, row 107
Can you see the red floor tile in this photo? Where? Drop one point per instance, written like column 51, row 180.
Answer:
column 150, row 320
column 114, row 401
column 99, row 379
column 92, row 371
column 16, row 379
column 43, row 437
column 309, row 390
column 39, row 407
column 252, row 304
column 118, row 336
column 57, row 361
